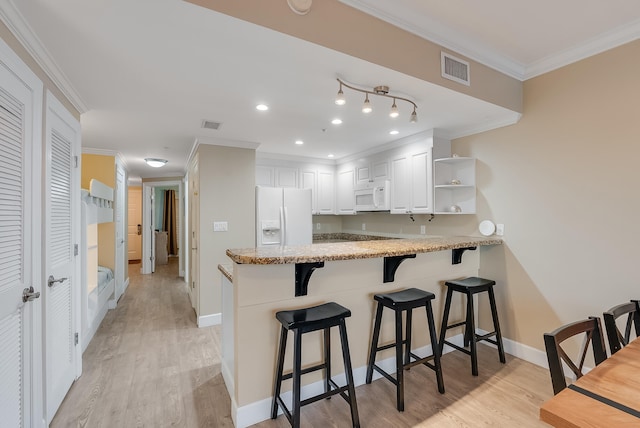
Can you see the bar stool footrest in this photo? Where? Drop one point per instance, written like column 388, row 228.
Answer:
column 305, row 371
column 486, row 337
column 458, row 324
column 386, row 375
column 420, row 360
column 459, row 348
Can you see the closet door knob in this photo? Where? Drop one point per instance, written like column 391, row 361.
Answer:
column 52, row 281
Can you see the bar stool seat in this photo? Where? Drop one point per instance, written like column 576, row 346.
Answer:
column 300, row 321
column 400, row 301
column 469, row 287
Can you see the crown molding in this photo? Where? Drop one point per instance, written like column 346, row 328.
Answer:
column 446, row 38
column 20, row 28
column 481, row 53
column 603, row 42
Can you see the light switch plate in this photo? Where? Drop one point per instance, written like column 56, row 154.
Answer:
column 220, row 226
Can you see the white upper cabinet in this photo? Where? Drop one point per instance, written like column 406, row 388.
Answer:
column 276, row 176
column 411, row 182
column 424, row 178
column 326, row 200
column 345, row 197
column 371, row 169
column 265, row 176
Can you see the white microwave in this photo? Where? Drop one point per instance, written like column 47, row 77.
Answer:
column 373, row 196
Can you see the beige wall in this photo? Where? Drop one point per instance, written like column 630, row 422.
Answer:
column 563, row 181
column 337, row 26
column 227, row 183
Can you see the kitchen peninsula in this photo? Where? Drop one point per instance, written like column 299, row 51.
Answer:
column 265, row 280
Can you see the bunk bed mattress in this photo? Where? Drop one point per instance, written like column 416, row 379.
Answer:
column 105, row 275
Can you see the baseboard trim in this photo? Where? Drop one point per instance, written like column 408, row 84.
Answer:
column 209, row 320
column 259, row 411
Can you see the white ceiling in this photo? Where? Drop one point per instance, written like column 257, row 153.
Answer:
column 146, row 73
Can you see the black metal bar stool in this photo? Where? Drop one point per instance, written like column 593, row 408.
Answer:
column 400, row 301
column 302, row 321
column 469, row 287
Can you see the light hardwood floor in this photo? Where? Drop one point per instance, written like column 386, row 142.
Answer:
column 150, row 366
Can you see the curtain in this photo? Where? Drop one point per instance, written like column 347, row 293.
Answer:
column 169, row 221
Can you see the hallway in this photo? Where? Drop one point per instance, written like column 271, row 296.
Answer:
column 149, row 365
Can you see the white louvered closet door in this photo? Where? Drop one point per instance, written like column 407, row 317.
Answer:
column 20, row 128
column 61, row 233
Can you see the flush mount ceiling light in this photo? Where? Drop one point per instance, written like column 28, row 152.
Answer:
column 262, row 107
column 382, row 91
column 155, row 163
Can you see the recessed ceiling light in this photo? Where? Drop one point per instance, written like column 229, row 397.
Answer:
column 262, row 107
column 299, row 142
column 336, row 121
column 330, row 155
column 393, row 132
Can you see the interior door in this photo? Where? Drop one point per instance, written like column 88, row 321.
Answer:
column 134, row 220
column 62, row 217
column 119, row 218
column 194, row 224
column 20, row 234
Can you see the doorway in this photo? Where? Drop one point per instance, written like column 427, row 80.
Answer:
column 153, row 225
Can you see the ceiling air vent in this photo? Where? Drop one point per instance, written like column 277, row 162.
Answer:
column 209, row 124
column 455, row 69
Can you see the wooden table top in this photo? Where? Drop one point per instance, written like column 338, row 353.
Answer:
column 607, row 396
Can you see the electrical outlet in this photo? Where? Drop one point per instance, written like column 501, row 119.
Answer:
column 364, row 226
column 220, row 226
column 499, row 229
column 423, row 229
column 318, row 226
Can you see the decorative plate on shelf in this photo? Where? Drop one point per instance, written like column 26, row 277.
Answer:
column 487, row 228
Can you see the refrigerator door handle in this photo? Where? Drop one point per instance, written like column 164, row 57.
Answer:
column 283, row 225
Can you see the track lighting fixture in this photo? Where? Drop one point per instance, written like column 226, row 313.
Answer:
column 382, row 91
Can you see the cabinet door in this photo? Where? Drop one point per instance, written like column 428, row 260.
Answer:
column 308, row 181
column 363, row 174
column 326, row 193
column 346, row 199
column 421, row 189
column 264, row 176
column 286, row 177
column 380, row 169
column 400, row 194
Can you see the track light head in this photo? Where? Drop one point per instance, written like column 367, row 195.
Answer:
column 414, row 116
column 340, row 97
column 394, row 110
column 366, row 107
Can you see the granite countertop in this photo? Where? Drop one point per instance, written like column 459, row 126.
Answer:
column 355, row 249
column 322, row 238
column 227, row 271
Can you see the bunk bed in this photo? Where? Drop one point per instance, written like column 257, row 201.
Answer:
column 98, row 281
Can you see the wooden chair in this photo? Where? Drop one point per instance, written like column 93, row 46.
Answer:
column 616, row 339
column 592, row 329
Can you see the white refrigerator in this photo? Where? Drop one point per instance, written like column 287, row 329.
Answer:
column 283, row 216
